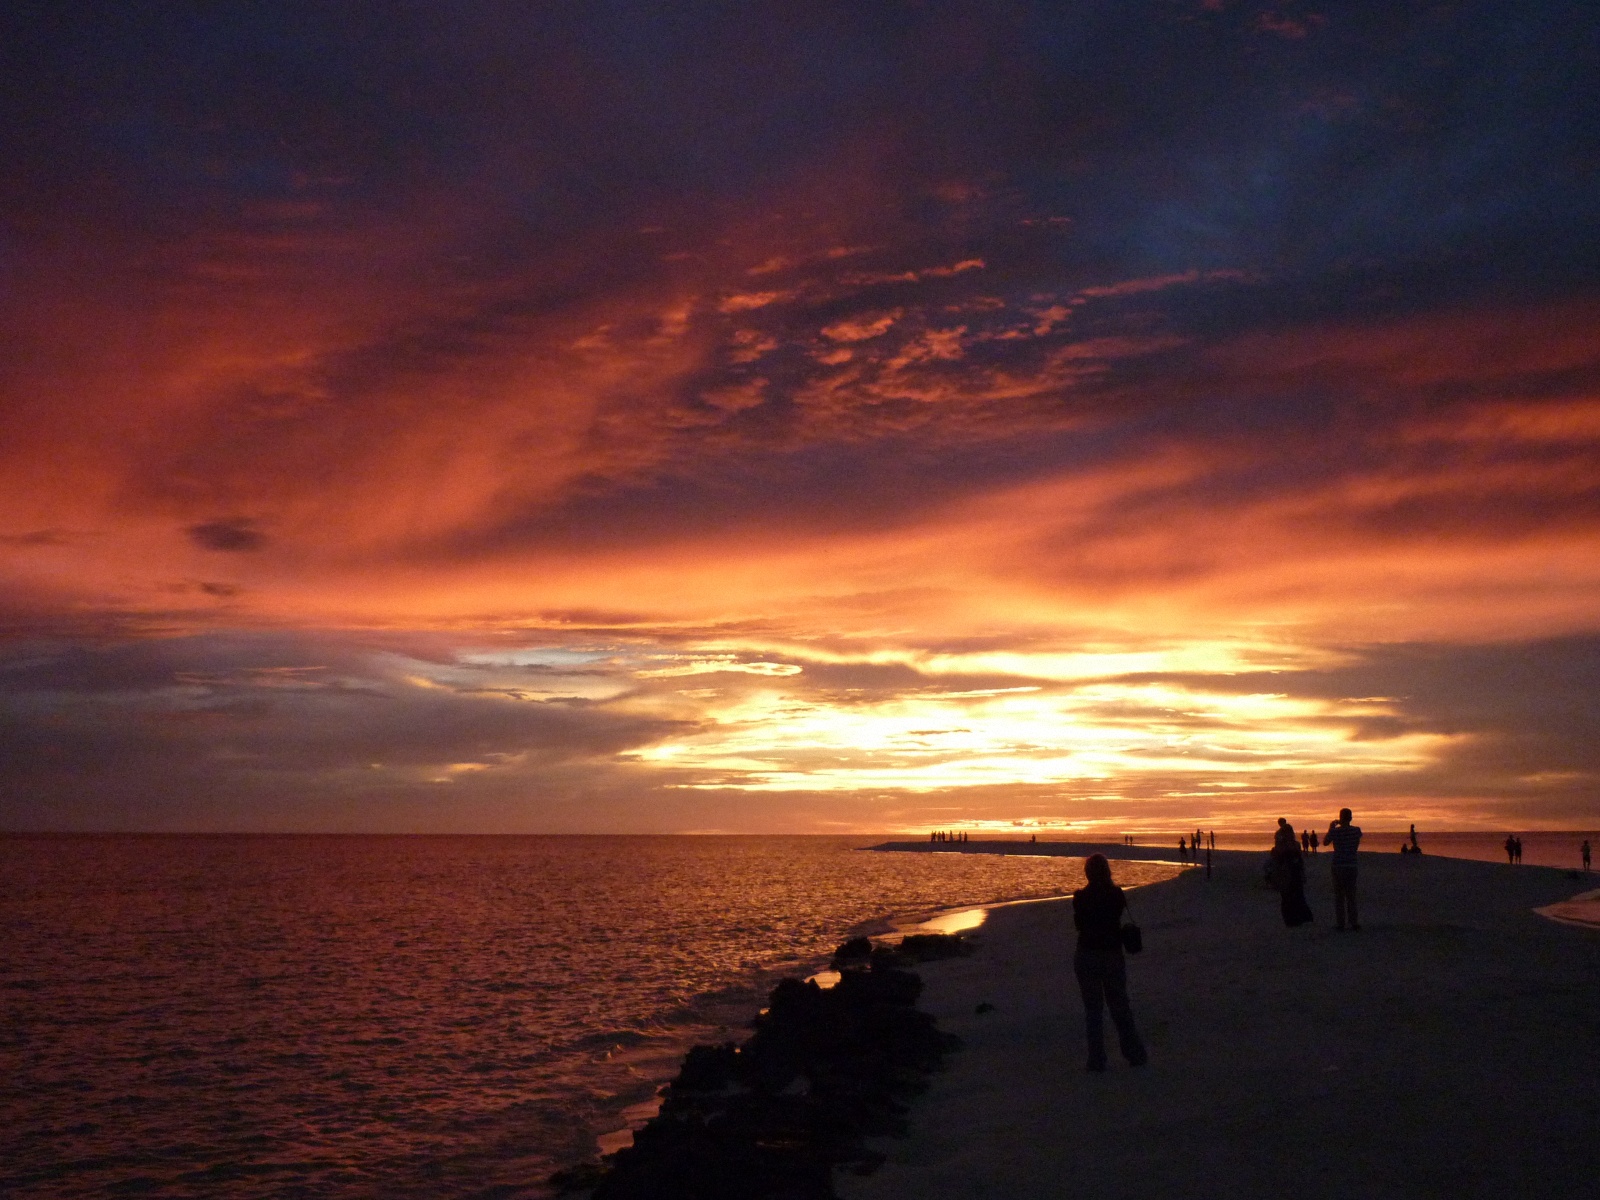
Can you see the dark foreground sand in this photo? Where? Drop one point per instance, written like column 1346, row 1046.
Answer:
column 1451, row 1048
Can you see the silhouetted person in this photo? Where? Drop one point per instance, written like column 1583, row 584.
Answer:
column 1183, row 848
column 1314, row 842
column 1511, row 849
column 1519, row 849
column 1102, row 972
column 1289, row 872
column 1585, row 849
column 1345, row 839
column 1415, row 848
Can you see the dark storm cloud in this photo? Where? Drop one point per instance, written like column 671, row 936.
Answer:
column 1174, row 135
column 184, row 723
column 235, row 534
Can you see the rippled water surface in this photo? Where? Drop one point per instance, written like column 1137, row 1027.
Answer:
column 397, row 1016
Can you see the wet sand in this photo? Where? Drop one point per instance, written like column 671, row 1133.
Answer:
column 1451, row 1048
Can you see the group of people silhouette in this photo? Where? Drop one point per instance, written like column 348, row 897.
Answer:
column 1098, row 909
column 1513, row 845
column 1286, row 869
column 947, row 835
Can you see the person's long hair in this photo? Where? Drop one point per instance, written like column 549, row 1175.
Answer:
column 1097, row 870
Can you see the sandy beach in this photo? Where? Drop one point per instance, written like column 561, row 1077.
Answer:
column 1449, row 1048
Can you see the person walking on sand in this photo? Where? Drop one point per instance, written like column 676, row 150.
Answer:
column 1099, row 966
column 1345, row 839
column 1585, row 851
column 1183, row 848
column 1511, row 849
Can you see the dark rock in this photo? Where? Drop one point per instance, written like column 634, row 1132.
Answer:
column 579, row 1178
column 853, row 953
column 772, row 1118
column 707, row 1069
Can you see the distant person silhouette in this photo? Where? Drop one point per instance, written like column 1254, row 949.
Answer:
column 1511, row 849
column 1101, row 971
column 1289, row 873
column 1314, row 842
column 1585, row 851
column 1183, row 848
column 1345, row 839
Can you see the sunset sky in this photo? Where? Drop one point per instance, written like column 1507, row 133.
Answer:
column 811, row 417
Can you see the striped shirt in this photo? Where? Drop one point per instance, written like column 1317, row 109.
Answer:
column 1344, row 839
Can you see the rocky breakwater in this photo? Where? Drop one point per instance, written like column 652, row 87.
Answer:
column 772, row 1117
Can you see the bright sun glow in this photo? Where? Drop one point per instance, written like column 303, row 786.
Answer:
column 774, row 740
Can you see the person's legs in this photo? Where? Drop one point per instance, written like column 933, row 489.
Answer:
column 1116, row 988
column 1344, row 897
column 1089, row 968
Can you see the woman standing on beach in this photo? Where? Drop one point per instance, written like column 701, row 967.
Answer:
column 1102, row 972
column 1289, row 873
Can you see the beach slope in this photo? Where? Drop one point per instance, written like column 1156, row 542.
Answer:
column 1449, row 1048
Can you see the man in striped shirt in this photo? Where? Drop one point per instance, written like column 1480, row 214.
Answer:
column 1344, row 838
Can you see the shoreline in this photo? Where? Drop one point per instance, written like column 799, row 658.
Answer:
column 1444, row 1050
column 736, row 1015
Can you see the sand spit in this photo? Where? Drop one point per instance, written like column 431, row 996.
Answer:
column 1451, row 1048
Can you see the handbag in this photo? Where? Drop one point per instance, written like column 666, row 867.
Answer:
column 1132, row 938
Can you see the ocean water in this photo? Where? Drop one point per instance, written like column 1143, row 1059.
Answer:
column 399, row 1016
